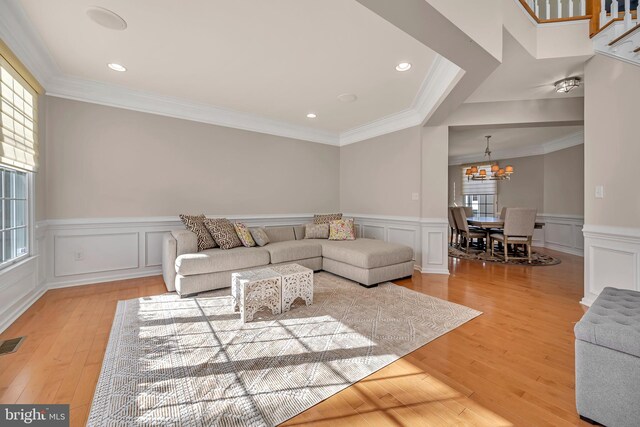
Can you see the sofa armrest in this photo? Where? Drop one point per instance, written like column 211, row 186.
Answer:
column 186, row 242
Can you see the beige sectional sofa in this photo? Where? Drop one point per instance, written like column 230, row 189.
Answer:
column 366, row 261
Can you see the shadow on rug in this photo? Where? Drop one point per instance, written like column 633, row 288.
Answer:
column 537, row 259
column 192, row 362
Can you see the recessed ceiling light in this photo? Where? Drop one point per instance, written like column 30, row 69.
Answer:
column 311, row 116
column 403, row 66
column 347, row 97
column 106, row 18
column 117, row 67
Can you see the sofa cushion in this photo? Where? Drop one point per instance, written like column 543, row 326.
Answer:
column 366, row 253
column 259, row 236
column 326, row 218
column 223, row 232
column 293, row 250
column 244, row 235
column 298, row 230
column 216, row 260
column 613, row 321
column 316, row 231
column 195, row 224
column 342, row 229
column 280, row 234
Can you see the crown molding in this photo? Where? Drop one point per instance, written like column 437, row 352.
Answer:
column 20, row 35
column 442, row 77
column 569, row 141
column 130, row 99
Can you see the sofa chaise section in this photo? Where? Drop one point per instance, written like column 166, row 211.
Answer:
column 367, row 261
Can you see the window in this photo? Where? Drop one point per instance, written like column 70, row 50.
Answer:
column 14, row 228
column 18, row 159
column 481, row 196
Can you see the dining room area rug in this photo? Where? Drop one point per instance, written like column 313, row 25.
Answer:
column 193, row 362
column 479, row 254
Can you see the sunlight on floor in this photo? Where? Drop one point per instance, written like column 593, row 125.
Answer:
column 400, row 394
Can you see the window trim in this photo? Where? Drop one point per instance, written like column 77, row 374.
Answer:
column 30, row 222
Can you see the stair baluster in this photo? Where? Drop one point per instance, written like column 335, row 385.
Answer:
column 603, row 13
column 559, row 9
column 571, row 13
column 627, row 15
column 583, row 7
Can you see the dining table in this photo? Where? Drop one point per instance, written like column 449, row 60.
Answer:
column 492, row 223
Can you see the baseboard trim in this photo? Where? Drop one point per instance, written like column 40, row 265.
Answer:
column 564, row 249
column 105, row 278
column 435, row 271
column 22, row 307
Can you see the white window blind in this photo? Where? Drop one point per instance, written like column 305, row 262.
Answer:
column 487, row 186
column 18, row 112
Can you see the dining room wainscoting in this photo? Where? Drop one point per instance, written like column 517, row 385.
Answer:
column 561, row 233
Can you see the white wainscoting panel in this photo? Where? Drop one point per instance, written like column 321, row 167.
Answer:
column 19, row 288
column 394, row 229
column 153, row 248
column 435, row 243
column 86, row 251
column 612, row 258
column 96, row 252
column 561, row 233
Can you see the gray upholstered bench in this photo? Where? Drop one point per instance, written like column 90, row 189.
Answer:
column 608, row 359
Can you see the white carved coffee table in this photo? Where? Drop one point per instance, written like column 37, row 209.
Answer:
column 297, row 281
column 255, row 289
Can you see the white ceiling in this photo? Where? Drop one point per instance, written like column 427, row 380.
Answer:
column 510, row 142
column 276, row 59
column 521, row 76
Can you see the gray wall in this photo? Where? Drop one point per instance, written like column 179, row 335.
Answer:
column 564, row 181
column 379, row 175
column 110, row 162
column 611, row 142
column 552, row 183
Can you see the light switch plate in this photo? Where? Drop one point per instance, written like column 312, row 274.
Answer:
column 415, row 196
column 599, row 191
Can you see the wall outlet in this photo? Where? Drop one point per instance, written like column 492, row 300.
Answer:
column 599, row 191
column 415, row 196
column 78, row 256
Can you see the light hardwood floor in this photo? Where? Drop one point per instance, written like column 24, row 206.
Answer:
column 513, row 365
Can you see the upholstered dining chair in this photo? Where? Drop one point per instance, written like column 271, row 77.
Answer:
column 503, row 212
column 464, row 231
column 468, row 211
column 518, row 230
column 453, row 226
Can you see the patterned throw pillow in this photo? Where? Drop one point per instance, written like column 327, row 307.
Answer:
column 223, row 232
column 195, row 224
column 260, row 236
column 341, row 229
column 326, row 218
column 316, row 231
column 243, row 233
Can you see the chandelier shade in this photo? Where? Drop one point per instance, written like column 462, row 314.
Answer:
column 476, row 173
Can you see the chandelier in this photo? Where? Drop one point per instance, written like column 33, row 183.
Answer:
column 476, row 173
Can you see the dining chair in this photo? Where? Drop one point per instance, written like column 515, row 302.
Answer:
column 503, row 212
column 453, row 226
column 464, row 231
column 468, row 211
column 518, row 230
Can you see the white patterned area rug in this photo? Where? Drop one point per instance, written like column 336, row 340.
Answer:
column 192, row 362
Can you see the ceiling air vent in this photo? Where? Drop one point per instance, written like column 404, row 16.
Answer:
column 10, row 346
